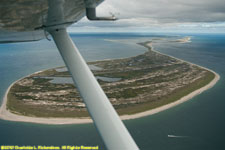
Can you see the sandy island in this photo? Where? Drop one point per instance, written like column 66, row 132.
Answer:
column 7, row 115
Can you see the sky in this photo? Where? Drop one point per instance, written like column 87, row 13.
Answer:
column 157, row 16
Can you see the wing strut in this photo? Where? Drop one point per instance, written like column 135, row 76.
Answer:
column 112, row 130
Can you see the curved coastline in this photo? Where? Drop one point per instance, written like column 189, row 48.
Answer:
column 7, row 115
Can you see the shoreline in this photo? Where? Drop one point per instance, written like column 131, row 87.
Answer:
column 7, row 115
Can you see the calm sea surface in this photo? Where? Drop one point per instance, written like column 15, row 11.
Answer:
column 198, row 124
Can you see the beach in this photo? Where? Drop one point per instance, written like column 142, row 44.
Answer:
column 7, row 115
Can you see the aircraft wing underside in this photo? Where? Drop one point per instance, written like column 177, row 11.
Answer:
column 24, row 20
column 31, row 20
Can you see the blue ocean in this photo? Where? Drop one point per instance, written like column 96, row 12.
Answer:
column 198, row 124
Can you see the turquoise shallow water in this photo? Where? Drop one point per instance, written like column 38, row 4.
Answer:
column 199, row 121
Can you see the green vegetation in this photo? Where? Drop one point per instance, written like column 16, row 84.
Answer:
column 172, row 97
column 147, row 81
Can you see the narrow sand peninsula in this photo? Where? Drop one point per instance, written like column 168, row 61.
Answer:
column 7, row 115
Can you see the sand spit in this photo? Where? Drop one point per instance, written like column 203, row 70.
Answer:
column 7, row 115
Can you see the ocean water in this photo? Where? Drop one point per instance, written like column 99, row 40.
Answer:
column 197, row 124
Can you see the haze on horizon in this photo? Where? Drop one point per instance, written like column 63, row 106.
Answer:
column 158, row 16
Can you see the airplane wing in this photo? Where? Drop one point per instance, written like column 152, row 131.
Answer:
column 31, row 20
column 25, row 20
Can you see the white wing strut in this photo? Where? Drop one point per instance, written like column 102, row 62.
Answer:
column 112, row 130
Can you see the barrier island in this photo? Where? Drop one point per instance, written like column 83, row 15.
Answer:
column 136, row 86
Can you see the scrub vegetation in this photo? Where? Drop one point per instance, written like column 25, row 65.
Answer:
column 145, row 82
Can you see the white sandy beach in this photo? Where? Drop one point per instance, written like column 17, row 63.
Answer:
column 7, row 115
